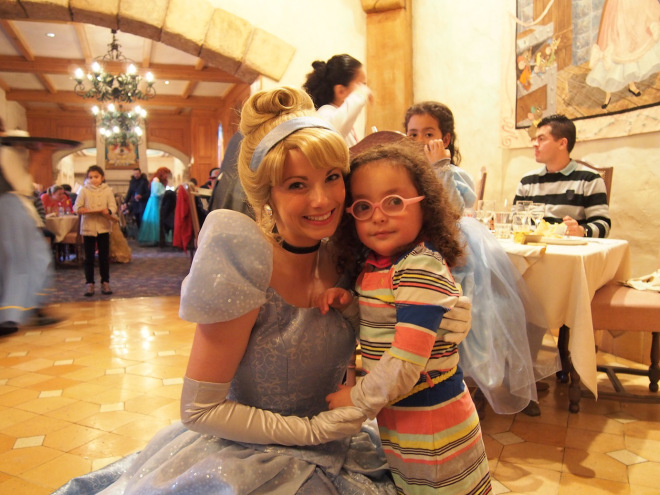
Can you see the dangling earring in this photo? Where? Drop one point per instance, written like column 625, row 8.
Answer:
column 268, row 211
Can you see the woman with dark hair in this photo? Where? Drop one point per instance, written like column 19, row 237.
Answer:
column 339, row 91
column 150, row 228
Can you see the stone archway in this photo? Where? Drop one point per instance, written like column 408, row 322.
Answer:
column 222, row 39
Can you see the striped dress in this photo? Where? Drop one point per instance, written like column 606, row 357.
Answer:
column 428, row 424
column 575, row 191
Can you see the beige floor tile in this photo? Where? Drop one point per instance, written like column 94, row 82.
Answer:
column 6, row 443
column 110, row 421
column 644, row 447
column 18, row 397
column 27, row 380
column 493, row 447
column 496, row 423
column 593, row 441
column 71, row 437
column 17, row 485
column 34, row 426
column 17, row 461
column 76, row 411
column 534, row 454
column 594, row 465
column 11, row 416
column 645, row 474
column 595, row 422
column 42, row 406
column 142, row 429
column 527, row 479
column 547, row 434
column 145, row 404
column 108, row 445
column 643, row 429
column 571, row 484
column 58, row 471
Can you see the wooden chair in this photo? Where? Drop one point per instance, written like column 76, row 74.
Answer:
column 481, row 184
column 605, row 172
column 624, row 309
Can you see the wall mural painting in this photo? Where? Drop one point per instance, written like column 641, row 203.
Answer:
column 586, row 59
column 120, row 156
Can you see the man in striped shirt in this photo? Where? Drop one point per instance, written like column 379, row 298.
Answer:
column 573, row 194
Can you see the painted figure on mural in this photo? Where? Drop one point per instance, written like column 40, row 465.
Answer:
column 628, row 47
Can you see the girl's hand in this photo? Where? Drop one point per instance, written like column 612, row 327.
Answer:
column 340, row 398
column 82, row 211
column 435, row 151
column 334, row 297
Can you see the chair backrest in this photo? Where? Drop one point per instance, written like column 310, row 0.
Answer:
column 481, row 184
column 605, row 172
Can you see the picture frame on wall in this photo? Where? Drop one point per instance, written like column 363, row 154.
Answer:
column 596, row 60
column 121, row 156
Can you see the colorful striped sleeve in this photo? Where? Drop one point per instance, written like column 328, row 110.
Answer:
column 424, row 290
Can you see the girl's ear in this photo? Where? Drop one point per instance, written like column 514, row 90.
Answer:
column 341, row 92
column 446, row 139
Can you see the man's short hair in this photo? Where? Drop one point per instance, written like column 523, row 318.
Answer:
column 560, row 127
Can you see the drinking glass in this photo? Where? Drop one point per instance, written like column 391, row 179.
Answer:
column 520, row 222
column 537, row 212
column 485, row 211
column 502, row 224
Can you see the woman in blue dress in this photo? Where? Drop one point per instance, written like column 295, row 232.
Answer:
column 150, row 228
column 263, row 358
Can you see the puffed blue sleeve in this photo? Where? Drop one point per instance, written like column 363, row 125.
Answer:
column 230, row 272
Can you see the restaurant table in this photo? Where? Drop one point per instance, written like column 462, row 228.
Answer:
column 61, row 226
column 564, row 279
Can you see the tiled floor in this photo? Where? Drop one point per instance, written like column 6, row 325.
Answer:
column 80, row 394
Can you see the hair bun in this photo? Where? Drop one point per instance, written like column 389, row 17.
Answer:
column 320, row 67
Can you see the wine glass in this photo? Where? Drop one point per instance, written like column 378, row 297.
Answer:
column 485, row 211
column 537, row 212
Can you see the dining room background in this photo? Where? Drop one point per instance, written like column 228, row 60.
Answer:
column 477, row 79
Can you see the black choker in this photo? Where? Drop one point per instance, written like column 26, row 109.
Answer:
column 300, row 250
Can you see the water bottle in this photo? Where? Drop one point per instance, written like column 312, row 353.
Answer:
column 60, row 212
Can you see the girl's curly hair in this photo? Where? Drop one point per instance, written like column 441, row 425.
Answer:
column 440, row 217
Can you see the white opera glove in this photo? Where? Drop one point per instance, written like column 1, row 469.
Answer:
column 457, row 321
column 205, row 409
column 386, row 382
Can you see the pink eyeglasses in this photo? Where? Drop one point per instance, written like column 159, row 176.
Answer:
column 392, row 205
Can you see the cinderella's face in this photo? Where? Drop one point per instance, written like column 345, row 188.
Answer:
column 307, row 205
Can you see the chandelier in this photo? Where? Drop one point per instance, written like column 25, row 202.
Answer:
column 119, row 127
column 105, row 86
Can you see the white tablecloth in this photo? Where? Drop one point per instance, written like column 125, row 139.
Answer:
column 61, row 226
column 564, row 279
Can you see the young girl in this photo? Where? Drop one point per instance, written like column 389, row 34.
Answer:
column 432, row 124
column 428, row 424
column 150, row 227
column 339, row 91
column 96, row 204
column 502, row 352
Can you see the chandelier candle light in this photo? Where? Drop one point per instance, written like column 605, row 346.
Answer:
column 105, row 86
column 116, row 126
column 119, row 127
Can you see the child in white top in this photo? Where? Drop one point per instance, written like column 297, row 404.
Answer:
column 96, row 205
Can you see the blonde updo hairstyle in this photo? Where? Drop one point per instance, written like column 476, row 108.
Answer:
column 325, row 149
